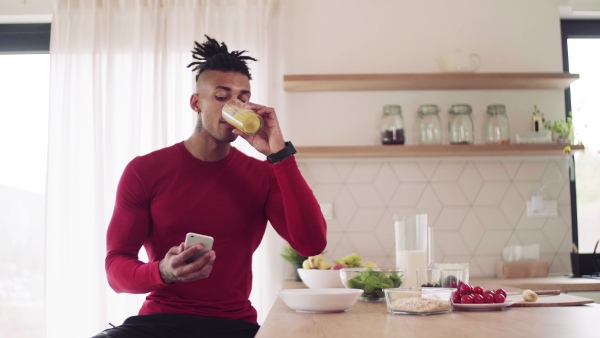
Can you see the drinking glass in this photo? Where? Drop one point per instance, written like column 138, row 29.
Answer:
column 242, row 118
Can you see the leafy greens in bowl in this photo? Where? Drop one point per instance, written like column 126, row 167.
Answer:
column 372, row 281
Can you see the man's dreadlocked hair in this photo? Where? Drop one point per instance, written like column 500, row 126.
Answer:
column 212, row 56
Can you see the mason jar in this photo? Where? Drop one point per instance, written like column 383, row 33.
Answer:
column 392, row 125
column 429, row 125
column 496, row 128
column 460, row 124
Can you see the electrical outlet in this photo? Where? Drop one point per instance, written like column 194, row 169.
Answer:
column 549, row 209
column 327, row 210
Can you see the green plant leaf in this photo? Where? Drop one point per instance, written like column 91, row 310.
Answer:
column 292, row 256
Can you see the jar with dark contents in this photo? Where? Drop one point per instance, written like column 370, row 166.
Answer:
column 460, row 124
column 392, row 125
column 495, row 125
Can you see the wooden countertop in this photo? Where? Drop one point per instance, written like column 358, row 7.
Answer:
column 373, row 320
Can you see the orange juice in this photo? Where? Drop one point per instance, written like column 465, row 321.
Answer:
column 242, row 118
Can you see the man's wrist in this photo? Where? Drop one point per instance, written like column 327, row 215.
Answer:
column 166, row 276
column 281, row 155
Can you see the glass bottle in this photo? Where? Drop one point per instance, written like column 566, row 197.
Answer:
column 392, row 125
column 429, row 126
column 495, row 125
column 460, row 124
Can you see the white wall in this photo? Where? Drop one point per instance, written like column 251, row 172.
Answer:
column 476, row 206
column 354, row 36
column 25, row 11
column 389, row 36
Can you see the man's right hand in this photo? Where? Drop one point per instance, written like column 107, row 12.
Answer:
column 176, row 268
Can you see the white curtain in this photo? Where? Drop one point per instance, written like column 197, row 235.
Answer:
column 120, row 88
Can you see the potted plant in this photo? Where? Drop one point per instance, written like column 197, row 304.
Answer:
column 562, row 131
column 292, row 256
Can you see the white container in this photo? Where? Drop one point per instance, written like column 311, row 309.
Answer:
column 316, row 279
column 423, row 301
column 320, row 300
column 413, row 249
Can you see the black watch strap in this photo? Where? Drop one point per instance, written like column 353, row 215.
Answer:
column 284, row 153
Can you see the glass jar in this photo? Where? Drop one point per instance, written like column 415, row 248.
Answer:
column 392, row 125
column 460, row 124
column 429, row 126
column 495, row 125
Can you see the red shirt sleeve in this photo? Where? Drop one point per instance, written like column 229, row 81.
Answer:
column 126, row 234
column 294, row 212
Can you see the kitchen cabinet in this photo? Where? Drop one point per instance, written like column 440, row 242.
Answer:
column 429, row 81
column 426, row 81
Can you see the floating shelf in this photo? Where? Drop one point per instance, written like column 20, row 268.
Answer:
column 381, row 151
column 427, row 81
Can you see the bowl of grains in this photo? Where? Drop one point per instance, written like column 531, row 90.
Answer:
column 422, row 301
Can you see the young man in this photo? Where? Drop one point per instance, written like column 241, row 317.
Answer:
column 206, row 186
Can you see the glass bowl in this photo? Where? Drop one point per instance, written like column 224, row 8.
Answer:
column 419, row 301
column 453, row 278
column 372, row 281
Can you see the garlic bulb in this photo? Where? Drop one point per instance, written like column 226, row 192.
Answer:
column 529, row 296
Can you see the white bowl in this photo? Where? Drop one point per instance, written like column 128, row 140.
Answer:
column 320, row 300
column 314, row 278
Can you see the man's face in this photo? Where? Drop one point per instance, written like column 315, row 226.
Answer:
column 214, row 89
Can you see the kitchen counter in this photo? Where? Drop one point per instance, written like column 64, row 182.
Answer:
column 373, row 320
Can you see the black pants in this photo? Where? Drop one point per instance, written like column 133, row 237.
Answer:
column 180, row 326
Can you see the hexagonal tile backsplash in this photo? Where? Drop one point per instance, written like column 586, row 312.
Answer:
column 475, row 206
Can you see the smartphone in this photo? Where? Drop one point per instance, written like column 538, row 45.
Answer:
column 192, row 238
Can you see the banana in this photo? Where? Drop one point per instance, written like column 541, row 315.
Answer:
column 306, row 264
column 529, row 296
column 316, row 262
column 323, row 265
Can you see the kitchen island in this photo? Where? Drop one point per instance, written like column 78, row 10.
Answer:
column 372, row 319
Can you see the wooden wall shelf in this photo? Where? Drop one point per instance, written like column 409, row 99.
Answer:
column 474, row 150
column 427, row 81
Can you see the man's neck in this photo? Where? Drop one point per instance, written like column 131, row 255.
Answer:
column 206, row 149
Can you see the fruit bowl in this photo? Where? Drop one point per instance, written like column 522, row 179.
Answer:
column 318, row 279
column 372, row 281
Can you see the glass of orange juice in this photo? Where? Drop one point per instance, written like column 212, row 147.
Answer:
column 242, row 118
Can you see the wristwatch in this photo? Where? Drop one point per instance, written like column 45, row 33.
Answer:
column 281, row 155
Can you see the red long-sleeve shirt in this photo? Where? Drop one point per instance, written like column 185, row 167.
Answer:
column 166, row 194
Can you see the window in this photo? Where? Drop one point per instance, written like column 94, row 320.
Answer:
column 581, row 52
column 24, row 84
